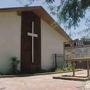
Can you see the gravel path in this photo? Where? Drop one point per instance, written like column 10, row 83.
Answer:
column 41, row 82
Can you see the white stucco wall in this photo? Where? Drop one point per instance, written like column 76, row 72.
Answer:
column 10, row 30
column 10, row 40
column 51, row 43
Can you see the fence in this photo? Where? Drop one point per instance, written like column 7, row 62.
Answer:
column 58, row 61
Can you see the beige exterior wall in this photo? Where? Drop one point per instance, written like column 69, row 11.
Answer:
column 10, row 41
column 51, row 43
column 10, row 30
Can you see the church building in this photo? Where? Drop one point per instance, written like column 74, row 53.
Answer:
column 26, row 33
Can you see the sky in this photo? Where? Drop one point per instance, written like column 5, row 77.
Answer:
column 15, row 3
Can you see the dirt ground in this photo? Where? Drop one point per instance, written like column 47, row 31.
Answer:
column 41, row 82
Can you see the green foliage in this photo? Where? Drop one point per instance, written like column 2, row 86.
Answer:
column 84, row 85
column 69, row 68
column 14, row 65
column 29, row 2
column 70, row 12
column 50, row 1
column 58, row 70
column 84, row 38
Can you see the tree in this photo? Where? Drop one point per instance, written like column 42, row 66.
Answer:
column 84, row 38
column 31, row 1
column 69, row 12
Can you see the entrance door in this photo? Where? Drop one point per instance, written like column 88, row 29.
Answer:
column 30, row 63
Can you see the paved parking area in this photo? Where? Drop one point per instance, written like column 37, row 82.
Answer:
column 41, row 82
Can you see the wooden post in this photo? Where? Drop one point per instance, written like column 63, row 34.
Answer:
column 87, row 68
column 73, row 68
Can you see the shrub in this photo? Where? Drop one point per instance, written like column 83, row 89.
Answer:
column 58, row 70
column 14, row 65
column 69, row 68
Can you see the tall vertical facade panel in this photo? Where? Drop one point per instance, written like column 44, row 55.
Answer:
column 27, row 66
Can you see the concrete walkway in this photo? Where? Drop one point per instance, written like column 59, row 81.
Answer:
column 41, row 82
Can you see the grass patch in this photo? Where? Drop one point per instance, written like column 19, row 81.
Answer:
column 69, row 68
